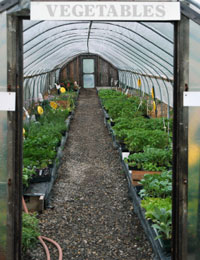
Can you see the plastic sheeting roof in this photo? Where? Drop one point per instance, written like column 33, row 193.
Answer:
column 134, row 46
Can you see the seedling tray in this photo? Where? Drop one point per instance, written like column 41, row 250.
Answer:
column 42, row 175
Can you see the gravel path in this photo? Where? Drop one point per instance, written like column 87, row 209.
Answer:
column 92, row 217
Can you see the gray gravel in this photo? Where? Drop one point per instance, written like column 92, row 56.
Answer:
column 92, row 217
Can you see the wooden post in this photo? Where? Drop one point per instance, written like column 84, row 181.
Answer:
column 15, row 139
column 180, row 136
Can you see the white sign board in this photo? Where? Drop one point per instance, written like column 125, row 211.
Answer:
column 191, row 99
column 7, row 101
column 123, row 11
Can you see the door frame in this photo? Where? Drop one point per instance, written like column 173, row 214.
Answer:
column 88, row 56
column 15, row 84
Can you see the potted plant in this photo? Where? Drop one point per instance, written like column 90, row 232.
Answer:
column 151, row 161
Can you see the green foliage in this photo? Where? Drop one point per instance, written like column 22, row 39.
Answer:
column 151, row 143
column 27, row 175
column 43, row 137
column 152, row 159
column 157, row 185
column 137, row 139
column 119, row 105
column 159, row 211
column 123, row 124
column 41, row 143
column 30, row 231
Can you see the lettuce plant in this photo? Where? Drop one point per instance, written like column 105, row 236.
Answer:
column 157, row 185
column 159, row 211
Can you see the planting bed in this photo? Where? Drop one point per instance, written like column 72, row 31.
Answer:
column 43, row 144
column 145, row 150
column 91, row 216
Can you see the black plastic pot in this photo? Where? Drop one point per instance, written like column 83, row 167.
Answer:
column 63, row 132
column 41, row 176
column 166, row 243
column 138, row 189
column 37, row 117
column 112, row 123
column 123, row 147
column 131, row 168
column 146, row 116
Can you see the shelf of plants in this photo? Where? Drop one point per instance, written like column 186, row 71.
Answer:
column 145, row 147
column 45, row 133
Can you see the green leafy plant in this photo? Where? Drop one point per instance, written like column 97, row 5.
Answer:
column 157, row 185
column 118, row 104
column 138, row 139
column 123, row 124
column 30, row 231
column 159, row 211
column 152, row 159
column 27, row 175
column 43, row 137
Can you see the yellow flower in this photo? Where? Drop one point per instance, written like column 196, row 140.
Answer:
column 53, row 104
column 24, row 131
column 40, row 110
column 62, row 90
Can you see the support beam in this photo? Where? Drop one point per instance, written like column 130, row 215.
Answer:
column 180, row 137
column 15, row 139
column 6, row 4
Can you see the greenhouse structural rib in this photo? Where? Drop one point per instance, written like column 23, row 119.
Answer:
column 128, row 45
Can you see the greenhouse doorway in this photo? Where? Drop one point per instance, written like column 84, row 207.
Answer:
column 180, row 129
column 88, row 73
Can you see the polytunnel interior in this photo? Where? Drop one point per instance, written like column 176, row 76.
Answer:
column 146, row 51
column 135, row 49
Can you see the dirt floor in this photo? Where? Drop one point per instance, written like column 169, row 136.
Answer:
column 92, row 217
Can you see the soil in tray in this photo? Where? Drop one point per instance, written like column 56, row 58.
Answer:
column 41, row 176
column 139, row 175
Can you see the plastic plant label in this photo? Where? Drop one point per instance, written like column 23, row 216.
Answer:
column 191, row 99
column 57, row 86
column 26, row 113
column 125, row 155
column 7, row 101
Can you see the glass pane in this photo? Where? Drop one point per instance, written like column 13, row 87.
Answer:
column 88, row 81
column 194, row 148
column 3, row 139
column 88, row 66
